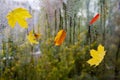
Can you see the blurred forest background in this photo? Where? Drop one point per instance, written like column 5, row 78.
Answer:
column 45, row 61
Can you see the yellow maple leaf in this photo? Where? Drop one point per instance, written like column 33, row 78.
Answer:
column 33, row 37
column 97, row 56
column 18, row 15
column 60, row 37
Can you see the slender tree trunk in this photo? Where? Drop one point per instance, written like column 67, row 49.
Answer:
column 70, row 31
column 55, row 22
column 116, row 62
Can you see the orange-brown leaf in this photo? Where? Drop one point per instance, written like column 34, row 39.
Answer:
column 60, row 37
column 94, row 19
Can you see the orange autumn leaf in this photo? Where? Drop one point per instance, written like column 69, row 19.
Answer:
column 94, row 19
column 60, row 37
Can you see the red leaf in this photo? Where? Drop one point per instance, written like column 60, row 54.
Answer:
column 94, row 19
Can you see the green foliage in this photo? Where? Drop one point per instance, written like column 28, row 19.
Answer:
column 65, row 62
